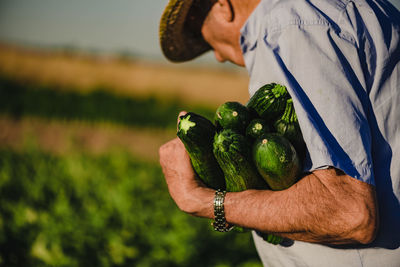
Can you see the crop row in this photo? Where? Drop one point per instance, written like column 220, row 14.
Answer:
column 19, row 99
column 112, row 210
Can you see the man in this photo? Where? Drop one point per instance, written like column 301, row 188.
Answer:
column 340, row 63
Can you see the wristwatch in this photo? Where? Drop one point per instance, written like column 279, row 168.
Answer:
column 220, row 223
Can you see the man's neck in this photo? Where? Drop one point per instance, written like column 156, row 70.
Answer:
column 243, row 9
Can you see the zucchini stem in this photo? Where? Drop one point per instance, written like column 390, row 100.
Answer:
column 185, row 124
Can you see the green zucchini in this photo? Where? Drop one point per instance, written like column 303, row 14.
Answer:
column 232, row 115
column 197, row 134
column 289, row 127
column 269, row 101
column 270, row 238
column 276, row 160
column 233, row 154
column 256, row 128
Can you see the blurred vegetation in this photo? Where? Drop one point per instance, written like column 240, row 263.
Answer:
column 20, row 99
column 112, row 209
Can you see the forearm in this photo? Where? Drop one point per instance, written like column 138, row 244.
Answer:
column 325, row 206
column 320, row 208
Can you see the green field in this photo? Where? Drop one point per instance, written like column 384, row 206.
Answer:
column 19, row 99
column 79, row 208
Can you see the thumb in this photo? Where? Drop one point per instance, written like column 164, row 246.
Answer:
column 182, row 113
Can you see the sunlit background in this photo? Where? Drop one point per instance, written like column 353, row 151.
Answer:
column 98, row 26
column 86, row 99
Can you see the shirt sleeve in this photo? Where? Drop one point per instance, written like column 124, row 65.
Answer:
column 325, row 78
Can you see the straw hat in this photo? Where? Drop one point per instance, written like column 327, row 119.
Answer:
column 180, row 29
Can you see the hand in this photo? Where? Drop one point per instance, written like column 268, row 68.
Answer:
column 186, row 190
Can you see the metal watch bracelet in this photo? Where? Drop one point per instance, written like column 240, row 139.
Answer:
column 220, row 223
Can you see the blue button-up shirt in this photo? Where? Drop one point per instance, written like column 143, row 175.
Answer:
column 340, row 63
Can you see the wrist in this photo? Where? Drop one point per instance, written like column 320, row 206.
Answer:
column 199, row 202
column 205, row 199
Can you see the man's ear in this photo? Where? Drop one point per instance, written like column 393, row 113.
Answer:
column 227, row 10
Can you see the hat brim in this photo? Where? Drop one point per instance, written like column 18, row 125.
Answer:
column 180, row 29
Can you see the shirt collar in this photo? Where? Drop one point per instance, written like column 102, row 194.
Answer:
column 250, row 31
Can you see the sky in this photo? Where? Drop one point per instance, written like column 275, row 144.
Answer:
column 102, row 25
column 106, row 25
